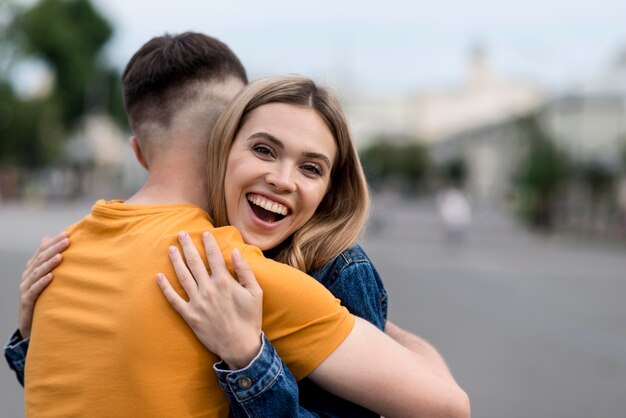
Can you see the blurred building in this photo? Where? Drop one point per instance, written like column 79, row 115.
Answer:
column 471, row 122
column 100, row 153
column 97, row 163
column 486, row 98
column 589, row 122
column 477, row 122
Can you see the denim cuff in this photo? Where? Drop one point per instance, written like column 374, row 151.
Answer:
column 15, row 353
column 253, row 379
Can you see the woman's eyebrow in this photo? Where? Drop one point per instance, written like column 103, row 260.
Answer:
column 271, row 138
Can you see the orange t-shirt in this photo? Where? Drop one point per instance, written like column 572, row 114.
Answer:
column 106, row 343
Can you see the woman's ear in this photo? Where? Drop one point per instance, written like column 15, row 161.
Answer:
column 134, row 144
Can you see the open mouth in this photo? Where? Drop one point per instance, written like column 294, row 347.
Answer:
column 266, row 210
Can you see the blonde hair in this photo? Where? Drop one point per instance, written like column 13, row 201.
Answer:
column 342, row 213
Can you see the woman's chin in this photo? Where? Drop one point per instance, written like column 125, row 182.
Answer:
column 263, row 243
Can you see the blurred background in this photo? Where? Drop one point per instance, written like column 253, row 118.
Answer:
column 493, row 136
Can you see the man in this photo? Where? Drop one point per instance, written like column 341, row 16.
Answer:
column 104, row 340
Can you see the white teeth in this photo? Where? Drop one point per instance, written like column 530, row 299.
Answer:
column 268, row 205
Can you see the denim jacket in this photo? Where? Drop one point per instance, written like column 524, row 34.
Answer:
column 266, row 387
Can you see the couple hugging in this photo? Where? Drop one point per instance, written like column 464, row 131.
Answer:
column 120, row 316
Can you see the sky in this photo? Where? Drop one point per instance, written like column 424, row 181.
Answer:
column 391, row 45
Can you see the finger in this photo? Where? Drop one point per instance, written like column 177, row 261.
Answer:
column 184, row 276
column 46, row 260
column 214, row 255
column 44, row 244
column 33, row 292
column 42, row 270
column 194, row 261
column 177, row 302
column 53, row 248
column 245, row 275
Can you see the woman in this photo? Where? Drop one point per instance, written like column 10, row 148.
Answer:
column 293, row 185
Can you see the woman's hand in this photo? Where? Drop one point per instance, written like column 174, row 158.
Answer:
column 224, row 313
column 37, row 277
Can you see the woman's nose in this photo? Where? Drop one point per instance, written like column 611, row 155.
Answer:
column 282, row 178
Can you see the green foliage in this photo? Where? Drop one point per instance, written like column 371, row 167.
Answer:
column 412, row 163
column 455, row 171
column 541, row 173
column 596, row 176
column 387, row 159
column 68, row 36
column 378, row 161
column 545, row 167
column 30, row 131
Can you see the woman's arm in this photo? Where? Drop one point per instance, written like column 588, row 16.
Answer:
column 371, row 369
column 35, row 279
column 417, row 345
column 264, row 388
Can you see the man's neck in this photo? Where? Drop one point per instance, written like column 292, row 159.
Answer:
column 186, row 184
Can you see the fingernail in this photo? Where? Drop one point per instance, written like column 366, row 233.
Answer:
column 205, row 235
column 181, row 235
column 159, row 277
column 172, row 250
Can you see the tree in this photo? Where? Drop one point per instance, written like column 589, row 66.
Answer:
column 68, row 36
column 455, row 171
column 402, row 159
column 541, row 172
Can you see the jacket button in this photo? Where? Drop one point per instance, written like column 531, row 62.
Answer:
column 244, row 382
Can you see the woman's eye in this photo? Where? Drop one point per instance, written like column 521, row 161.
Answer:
column 263, row 150
column 313, row 169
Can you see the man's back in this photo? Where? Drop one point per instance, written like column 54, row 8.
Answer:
column 105, row 342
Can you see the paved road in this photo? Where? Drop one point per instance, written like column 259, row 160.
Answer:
column 530, row 326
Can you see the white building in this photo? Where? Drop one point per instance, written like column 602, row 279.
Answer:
column 485, row 98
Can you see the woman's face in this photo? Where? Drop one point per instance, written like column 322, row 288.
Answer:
column 278, row 171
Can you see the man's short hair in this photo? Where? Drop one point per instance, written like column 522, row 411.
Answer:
column 165, row 73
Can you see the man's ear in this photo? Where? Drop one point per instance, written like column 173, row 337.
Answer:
column 134, row 144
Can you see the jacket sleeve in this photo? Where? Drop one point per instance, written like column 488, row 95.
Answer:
column 15, row 353
column 359, row 287
column 263, row 388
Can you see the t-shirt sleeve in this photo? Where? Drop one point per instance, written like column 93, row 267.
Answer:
column 301, row 318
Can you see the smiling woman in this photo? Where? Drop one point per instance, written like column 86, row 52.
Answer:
column 277, row 173
column 292, row 174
